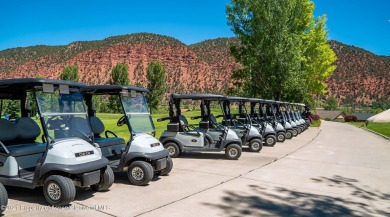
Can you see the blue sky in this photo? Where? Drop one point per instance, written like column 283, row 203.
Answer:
column 361, row 23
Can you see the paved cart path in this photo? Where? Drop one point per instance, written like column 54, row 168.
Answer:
column 335, row 170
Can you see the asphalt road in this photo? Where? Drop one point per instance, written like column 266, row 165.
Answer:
column 334, row 170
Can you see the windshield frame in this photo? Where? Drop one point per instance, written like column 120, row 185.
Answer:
column 143, row 113
column 44, row 116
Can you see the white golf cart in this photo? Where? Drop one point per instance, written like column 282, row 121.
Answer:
column 64, row 157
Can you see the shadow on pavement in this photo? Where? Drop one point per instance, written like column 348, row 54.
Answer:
column 281, row 201
column 210, row 156
column 35, row 196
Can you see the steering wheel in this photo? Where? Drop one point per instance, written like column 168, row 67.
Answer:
column 81, row 133
column 54, row 122
column 121, row 121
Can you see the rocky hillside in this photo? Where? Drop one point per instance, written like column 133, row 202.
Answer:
column 186, row 71
column 361, row 77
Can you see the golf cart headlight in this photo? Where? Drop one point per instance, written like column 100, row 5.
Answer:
column 155, row 144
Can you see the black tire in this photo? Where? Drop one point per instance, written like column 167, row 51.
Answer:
column 106, row 180
column 295, row 132
column 59, row 190
column 270, row 140
column 289, row 134
column 167, row 169
column 233, row 152
column 281, row 137
column 173, row 149
column 3, row 198
column 140, row 173
column 299, row 130
column 255, row 145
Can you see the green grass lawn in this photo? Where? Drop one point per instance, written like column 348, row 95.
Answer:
column 110, row 121
column 316, row 123
column 382, row 128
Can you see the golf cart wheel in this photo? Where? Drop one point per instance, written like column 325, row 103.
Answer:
column 3, row 198
column 270, row 140
column 299, row 130
column 172, row 148
column 167, row 169
column 59, row 190
column 281, row 137
column 233, row 152
column 106, row 180
column 289, row 134
column 140, row 173
column 255, row 145
column 295, row 132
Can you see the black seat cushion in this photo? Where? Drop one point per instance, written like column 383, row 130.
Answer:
column 27, row 129
column 8, row 131
column 104, row 142
column 96, row 125
column 183, row 121
column 26, row 149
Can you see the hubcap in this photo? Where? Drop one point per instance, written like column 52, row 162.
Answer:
column 270, row 141
column 288, row 134
column 137, row 173
column 54, row 191
column 255, row 145
column 280, row 137
column 171, row 150
column 233, row 152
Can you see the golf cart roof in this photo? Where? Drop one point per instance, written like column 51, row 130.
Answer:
column 235, row 99
column 112, row 89
column 261, row 100
column 14, row 88
column 197, row 96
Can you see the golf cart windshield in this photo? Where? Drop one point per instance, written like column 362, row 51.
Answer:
column 64, row 114
column 137, row 112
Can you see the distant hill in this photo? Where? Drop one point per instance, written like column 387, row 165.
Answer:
column 361, row 77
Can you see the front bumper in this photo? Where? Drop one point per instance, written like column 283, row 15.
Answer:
column 157, row 159
column 90, row 178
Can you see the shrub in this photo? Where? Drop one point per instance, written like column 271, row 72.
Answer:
column 350, row 118
column 327, row 119
column 315, row 117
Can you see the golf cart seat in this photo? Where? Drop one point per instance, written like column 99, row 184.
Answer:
column 98, row 128
column 19, row 138
column 185, row 127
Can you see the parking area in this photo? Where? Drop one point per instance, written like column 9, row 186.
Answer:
column 333, row 170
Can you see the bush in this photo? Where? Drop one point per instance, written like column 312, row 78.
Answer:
column 315, row 117
column 350, row 118
column 327, row 119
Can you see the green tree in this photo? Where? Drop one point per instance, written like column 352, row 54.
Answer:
column 70, row 73
column 12, row 108
column 331, row 104
column 119, row 76
column 156, row 83
column 318, row 60
column 274, row 48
